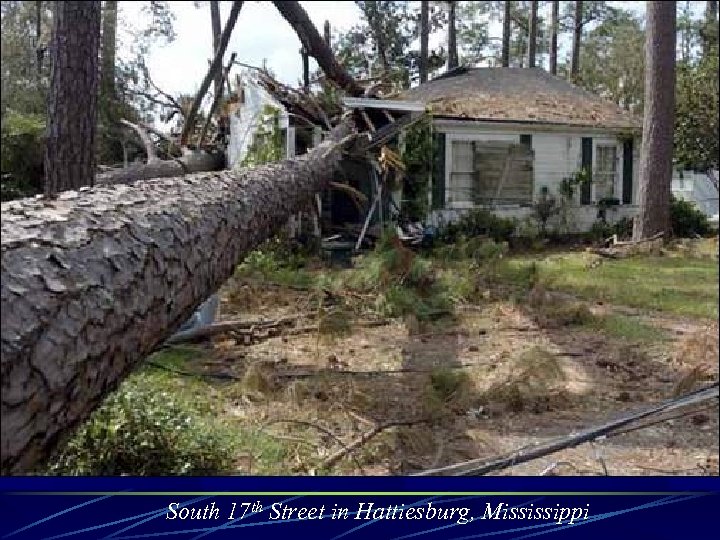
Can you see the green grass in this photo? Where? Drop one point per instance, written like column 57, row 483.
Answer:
column 628, row 328
column 681, row 286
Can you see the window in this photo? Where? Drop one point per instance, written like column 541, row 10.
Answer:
column 490, row 172
column 605, row 170
column 462, row 174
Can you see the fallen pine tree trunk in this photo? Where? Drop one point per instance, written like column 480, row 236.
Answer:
column 95, row 280
column 193, row 162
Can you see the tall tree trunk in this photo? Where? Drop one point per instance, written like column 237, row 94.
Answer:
column 424, row 35
column 215, row 67
column 506, row 35
column 93, row 282
column 327, row 35
column 577, row 38
column 532, row 34
column 709, row 31
column 316, row 46
column 554, row 37
column 109, row 46
column 39, row 51
column 453, row 61
column 72, row 103
column 655, row 169
column 216, row 32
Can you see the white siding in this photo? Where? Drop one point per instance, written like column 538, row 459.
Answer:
column 557, row 155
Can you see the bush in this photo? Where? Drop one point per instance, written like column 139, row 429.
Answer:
column 686, row 220
column 22, row 152
column 140, row 430
column 479, row 222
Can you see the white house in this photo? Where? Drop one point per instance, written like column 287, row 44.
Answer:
column 697, row 188
column 507, row 133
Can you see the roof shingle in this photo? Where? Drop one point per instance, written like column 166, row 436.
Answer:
column 520, row 95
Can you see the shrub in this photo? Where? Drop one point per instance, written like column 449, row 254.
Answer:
column 479, row 222
column 140, row 430
column 686, row 220
column 22, row 152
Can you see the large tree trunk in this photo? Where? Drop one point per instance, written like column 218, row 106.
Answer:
column 216, row 32
column 196, row 161
column 72, row 103
column 109, row 32
column 554, row 37
column 424, row 34
column 655, row 169
column 532, row 33
column 316, row 46
column 506, row 35
column 215, row 67
column 92, row 282
column 577, row 38
column 453, row 61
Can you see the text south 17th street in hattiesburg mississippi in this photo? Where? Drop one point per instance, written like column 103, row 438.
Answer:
column 371, row 511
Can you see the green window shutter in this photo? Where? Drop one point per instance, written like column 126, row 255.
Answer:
column 438, row 174
column 526, row 140
column 586, row 188
column 627, row 189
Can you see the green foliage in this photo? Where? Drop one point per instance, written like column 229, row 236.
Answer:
column 696, row 114
column 147, row 427
column 268, row 145
column 545, row 207
column 449, row 384
column 416, row 152
column 479, row 222
column 278, row 260
column 612, row 59
column 686, row 220
column 22, row 154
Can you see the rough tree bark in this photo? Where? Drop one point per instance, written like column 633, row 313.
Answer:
column 215, row 67
column 72, row 102
column 95, row 280
column 424, row 34
column 316, row 46
column 532, row 33
column 192, row 162
column 453, row 61
column 216, row 32
column 506, row 35
column 655, row 169
column 577, row 38
column 554, row 36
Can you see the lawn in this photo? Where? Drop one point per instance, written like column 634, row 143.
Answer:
column 678, row 285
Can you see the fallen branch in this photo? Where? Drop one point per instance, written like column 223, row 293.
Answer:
column 216, row 101
column 317, row 427
column 205, row 332
column 480, row 467
column 145, row 138
column 214, row 67
column 364, row 438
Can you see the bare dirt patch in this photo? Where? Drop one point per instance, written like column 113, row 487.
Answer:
column 490, row 380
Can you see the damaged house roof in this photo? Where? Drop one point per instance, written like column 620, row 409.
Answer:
column 518, row 95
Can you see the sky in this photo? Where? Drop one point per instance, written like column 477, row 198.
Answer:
column 260, row 35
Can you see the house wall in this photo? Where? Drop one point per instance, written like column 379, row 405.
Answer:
column 696, row 187
column 246, row 119
column 557, row 155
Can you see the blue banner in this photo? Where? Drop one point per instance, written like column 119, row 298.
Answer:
column 358, row 507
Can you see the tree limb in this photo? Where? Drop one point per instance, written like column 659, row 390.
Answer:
column 214, row 67
column 316, row 46
column 145, row 138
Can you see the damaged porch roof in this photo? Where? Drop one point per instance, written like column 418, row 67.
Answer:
column 518, row 95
